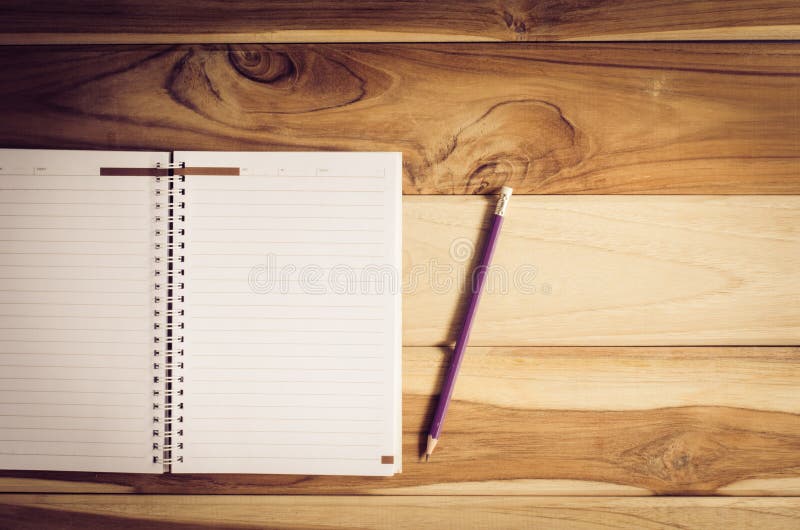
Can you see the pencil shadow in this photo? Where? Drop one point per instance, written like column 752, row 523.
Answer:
column 465, row 293
column 430, row 409
column 457, row 319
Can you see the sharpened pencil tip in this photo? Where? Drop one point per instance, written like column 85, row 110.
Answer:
column 429, row 448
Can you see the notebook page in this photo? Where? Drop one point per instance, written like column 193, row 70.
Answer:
column 75, row 312
column 292, row 314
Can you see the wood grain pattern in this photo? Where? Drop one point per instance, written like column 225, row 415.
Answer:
column 24, row 512
column 527, row 423
column 544, row 119
column 148, row 21
column 560, row 421
column 607, row 270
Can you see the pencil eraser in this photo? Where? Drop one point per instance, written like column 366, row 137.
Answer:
column 505, row 190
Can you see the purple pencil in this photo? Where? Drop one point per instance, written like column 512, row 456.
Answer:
column 463, row 337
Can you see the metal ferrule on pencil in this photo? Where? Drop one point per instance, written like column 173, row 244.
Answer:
column 502, row 202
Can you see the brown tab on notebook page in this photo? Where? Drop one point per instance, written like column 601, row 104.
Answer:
column 232, row 171
column 134, row 171
column 163, row 172
column 387, row 460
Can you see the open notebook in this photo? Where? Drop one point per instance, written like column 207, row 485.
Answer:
column 200, row 312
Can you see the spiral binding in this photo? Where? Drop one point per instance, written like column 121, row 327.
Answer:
column 168, row 314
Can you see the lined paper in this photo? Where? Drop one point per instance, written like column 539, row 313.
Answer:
column 292, row 316
column 75, row 312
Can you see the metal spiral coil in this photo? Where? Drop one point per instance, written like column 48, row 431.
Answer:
column 168, row 258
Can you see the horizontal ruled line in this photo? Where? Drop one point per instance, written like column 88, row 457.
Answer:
column 61, row 278
column 115, row 393
column 270, row 444
column 295, row 190
column 83, row 291
column 253, row 368
column 60, row 354
column 137, row 254
column 264, row 204
column 66, row 417
column 276, row 318
column 104, row 305
column 67, row 366
column 94, row 267
column 313, row 394
column 238, row 229
column 266, row 176
column 70, row 429
column 283, row 381
column 288, row 217
column 142, row 242
column 50, row 404
column 278, row 418
column 249, row 267
column 303, row 306
column 261, row 255
column 104, row 380
column 244, row 431
column 80, row 216
column 72, row 455
column 25, row 341
column 140, row 190
column 293, row 343
column 284, row 330
column 249, row 242
column 228, row 292
column 248, row 406
column 45, row 328
column 90, row 317
column 110, row 442
column 286, row 356
column 334, row 458
column 103, row 229
column 77, row 203
column 366, row 281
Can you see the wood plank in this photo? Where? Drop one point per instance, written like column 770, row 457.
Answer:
column 148, row 21
column 559, row 421
column 647, row 118
column 23, row 512
column 606, row 270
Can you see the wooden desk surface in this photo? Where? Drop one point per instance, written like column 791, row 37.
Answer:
column 651, row 347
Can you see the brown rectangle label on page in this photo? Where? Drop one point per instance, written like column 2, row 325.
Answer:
column 134, row 171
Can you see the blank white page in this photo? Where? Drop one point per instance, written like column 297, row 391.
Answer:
column 292, row 315
column 75, row 312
